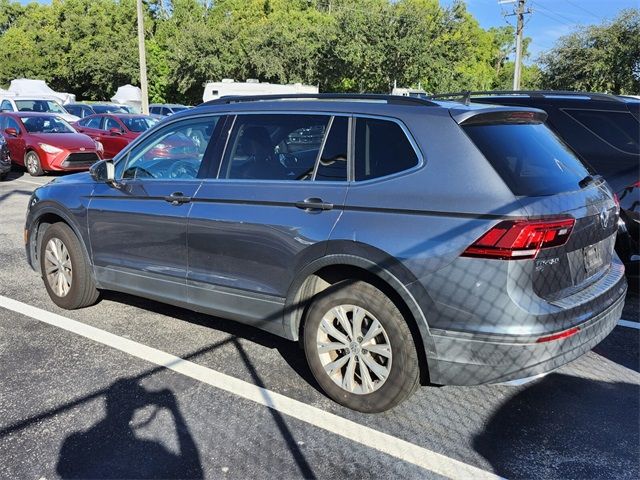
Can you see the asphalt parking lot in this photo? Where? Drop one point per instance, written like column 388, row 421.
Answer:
column 132, row 388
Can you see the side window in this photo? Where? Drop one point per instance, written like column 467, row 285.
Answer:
column 93, row 122
column 174, row 152
column 12, row 123
column 110, row 123
column 618, row 129
column 274, row 147
column 381, row 148
column 332, row 165
column 164, row 111
column 154, row 110
column 5, row 106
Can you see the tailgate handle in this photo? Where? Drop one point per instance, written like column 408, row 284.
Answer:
column 314, row 204
column 177, row 198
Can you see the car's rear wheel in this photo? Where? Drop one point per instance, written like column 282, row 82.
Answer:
column 359, row 347
column 32, row 164
column 65, row 269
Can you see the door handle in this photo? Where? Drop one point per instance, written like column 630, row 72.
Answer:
column 314, row 204
column 177, row 198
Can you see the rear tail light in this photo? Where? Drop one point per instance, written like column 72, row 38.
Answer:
column 519, row 239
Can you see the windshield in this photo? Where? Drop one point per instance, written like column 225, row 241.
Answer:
column 108, row 109
column 39, row 106
column 138, row 124
column 46, row 124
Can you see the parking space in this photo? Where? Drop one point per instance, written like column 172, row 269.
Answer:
column 152, row 390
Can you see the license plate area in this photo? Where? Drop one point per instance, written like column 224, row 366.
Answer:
column 593, row 259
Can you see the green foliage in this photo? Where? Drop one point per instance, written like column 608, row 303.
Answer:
column 603, row 58
column 89, row 47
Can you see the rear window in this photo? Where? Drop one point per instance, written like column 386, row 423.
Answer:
column 530, row 158
column 619, row 129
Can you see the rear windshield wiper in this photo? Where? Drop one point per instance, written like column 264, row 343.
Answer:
column 588, row 180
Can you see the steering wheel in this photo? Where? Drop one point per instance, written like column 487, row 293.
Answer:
column 182, row 169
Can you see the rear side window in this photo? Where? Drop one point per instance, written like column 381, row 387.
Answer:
column 332, row 165
column 530, row 158
column 381, row 148
column 619, row 129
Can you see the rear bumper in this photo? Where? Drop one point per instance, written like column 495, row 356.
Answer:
column 464, row 359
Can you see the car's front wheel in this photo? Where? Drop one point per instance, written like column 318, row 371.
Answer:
column 32, row 164
column 65, row 269
column 359, row 347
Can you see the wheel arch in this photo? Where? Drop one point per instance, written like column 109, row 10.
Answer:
column 330, row 269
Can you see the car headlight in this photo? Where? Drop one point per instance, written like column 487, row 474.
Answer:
column 50, row 148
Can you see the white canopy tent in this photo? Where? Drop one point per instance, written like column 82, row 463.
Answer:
column 129, row 95
column 24, row 87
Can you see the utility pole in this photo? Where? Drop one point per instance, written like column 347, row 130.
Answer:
column 143, row 61
column 517, row 72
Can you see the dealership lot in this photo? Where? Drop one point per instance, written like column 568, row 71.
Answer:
column 74, row 403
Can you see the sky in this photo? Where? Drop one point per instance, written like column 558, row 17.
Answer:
column 550, row 19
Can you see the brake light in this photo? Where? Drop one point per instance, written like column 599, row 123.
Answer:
column 520, row 239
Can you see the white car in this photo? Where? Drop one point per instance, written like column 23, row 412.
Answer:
column 25, row 104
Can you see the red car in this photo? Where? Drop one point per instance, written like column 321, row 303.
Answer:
column 44, row 141
column 116, row 130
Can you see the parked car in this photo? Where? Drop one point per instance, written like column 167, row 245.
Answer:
column 413, row 241
column 108, row 108
column 604, row 131
column 80, row 110
column 114, row 131
column 42, row 142
column 166, row 109
column 5, row 159
column 25, row 104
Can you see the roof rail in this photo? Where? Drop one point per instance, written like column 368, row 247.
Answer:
column 466, row 96
column 390, row 99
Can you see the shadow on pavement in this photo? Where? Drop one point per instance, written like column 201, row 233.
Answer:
column 113, row 449
column 565, row 427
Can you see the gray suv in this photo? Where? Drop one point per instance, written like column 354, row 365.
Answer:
column 401, row 241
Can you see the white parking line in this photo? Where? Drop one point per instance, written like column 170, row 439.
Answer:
column 629, row 324
column 398, row 448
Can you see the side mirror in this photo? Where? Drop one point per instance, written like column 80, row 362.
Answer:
column 104, row 171
column 11, row 131
column 115, row 131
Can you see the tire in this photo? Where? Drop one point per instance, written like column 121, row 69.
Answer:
column 32, row 164
column 75, row 288
column 364, row 391
column 3, row 176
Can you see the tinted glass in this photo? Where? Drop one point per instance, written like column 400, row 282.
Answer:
column 93, row 122
column 178, row 109
column 108, row 109
column 174, row 152
column 110, row 123
column 39, row 106
column 154, row 110
column 382, row 148
column 274, row 147
column 333, row 160
column 138, row 124
column 530, row 158
column 6, row 106
column 619, row 129
column 46, row 124
column 74, row 110
column 12, row 123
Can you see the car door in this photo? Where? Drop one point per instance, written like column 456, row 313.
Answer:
column 111, row 140
column 271, row 206
column 16, row 144
column 138, row 228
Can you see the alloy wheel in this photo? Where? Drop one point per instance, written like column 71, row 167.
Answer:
column 354, row 349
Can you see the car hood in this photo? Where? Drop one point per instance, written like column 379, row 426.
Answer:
column 68, row 141
column 81, row 177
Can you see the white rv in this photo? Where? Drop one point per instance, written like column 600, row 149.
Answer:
column 227, row 86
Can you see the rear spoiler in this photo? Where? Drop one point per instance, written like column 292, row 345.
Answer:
column 498, row 115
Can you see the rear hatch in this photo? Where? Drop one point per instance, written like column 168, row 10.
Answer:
column 551, row 184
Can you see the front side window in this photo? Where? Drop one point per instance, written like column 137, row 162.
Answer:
column 619, row 129
column 381, row 148
column 174, row 152
column 6, row 106
column 274, row 147
column 12, row 123
column 91, row 122
column 139, row 124
column 110, row 123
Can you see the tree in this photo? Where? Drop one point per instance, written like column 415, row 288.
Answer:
column 604, row 58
